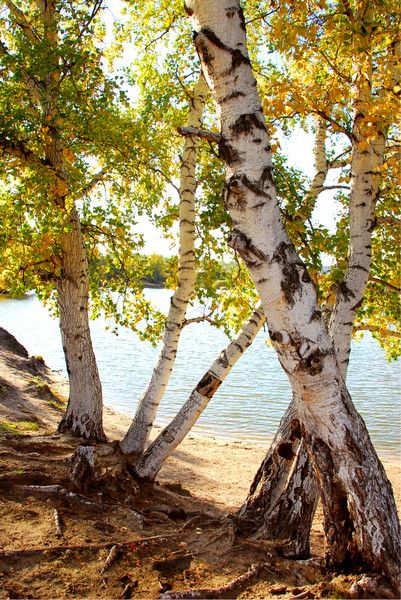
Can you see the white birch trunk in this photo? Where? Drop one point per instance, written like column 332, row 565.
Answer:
column 137, row 435
column 367, row 158
column 83, row 417
column 151, row 462
column 355, row 490
column 321, row 167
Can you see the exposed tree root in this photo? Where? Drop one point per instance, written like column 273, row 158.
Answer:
column 231, row 590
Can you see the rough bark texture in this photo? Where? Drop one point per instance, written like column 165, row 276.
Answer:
column 346, row 463
column 137, row 436
column 151, row 462
column 83, row 416
column 283, row 496
column 270, row 507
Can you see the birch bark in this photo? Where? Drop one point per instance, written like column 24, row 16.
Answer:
column 367, row 158
column 137, row 435
column 151, row 462
column 354, row 488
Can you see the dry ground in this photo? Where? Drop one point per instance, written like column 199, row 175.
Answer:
column 131, row 541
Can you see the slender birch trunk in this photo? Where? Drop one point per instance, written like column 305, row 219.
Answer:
column 137, row 435
column 367, row 158
column 151, row 462
column 354, row 488
column 321, row 167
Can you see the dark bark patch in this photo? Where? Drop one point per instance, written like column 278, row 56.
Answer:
column 267, row 176
column 243, row 245
column 290, row 283
column 188, row 10
column 203, row 50
column 344, row 290
column 246, row 124
column 237, row 58
column 276, row 336
column 285, row 451
column 232, row 96
column 315, row 316
column 228, row 153
column 208, row 385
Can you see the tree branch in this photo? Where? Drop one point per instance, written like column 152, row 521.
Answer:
column 336, row 187
column 386, row 284
column 93, row 182
column 201, row 133
column 389, row 220
column 22, row 21
column 381, row 330
column 17, row 149
column 335, row 123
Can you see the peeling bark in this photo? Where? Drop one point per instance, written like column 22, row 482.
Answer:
column 335, row 434
column 283, row 496
column 151, row 462
column 137, row 435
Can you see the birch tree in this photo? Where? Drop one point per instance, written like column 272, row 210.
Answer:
column 369, row 146
column 354, row 489
column 137, row 436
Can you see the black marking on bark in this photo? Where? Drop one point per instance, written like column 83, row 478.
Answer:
column 296, row 430
column 223, row 359
column 345, row 291
column 208, row 385
column 188, row 10
column 237, row 58
column 232, row 96
column 246, row 124
column 357, row 305
column 315, row 316
column 231, row 11
column 276, row 336
column 267, row 176
column 243, row 245
column 228, row 153
column 242, row 19
column 203, row 50
column 236, row 193
column 360, row 204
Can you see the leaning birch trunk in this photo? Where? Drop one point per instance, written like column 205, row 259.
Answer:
column 151, row 462
column 83, row 417
column 354, row 488
column 137, row 435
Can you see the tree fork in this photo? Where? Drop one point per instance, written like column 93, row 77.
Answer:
column 289, row 297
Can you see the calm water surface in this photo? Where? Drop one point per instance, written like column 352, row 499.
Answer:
column 248, row 405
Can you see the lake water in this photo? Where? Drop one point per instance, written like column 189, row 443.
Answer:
column 247, row 406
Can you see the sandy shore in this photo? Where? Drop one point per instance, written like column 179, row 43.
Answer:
column 219, row 470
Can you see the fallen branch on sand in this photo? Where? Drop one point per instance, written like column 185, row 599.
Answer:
column 230, row 590
column 50, row 550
